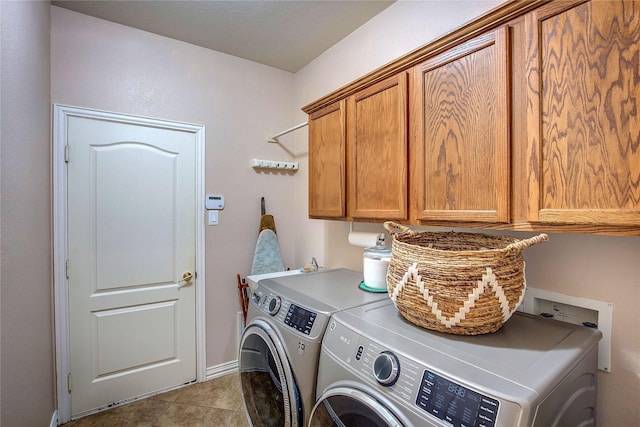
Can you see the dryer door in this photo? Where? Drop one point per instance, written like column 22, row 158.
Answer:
column 343, row 406
column 270, row 394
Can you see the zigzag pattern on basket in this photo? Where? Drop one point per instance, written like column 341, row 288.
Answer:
column 488, row 279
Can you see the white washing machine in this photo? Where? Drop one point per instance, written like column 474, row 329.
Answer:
column 280, row 346
column 377, row 369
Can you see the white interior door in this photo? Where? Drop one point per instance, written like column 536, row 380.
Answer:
column 131, row 235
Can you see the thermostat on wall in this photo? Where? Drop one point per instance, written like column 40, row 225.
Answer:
column 214, row 201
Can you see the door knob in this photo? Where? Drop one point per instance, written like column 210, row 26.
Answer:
column 186, row 278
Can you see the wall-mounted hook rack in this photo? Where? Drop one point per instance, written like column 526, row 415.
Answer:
column 274, row 164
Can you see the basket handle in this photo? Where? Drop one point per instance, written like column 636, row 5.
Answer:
column 523, row 244
column 393, row 227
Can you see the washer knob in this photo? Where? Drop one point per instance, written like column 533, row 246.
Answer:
column 274, row 305
column 386, row 368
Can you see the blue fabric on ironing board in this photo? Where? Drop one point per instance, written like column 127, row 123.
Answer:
column 267, row 257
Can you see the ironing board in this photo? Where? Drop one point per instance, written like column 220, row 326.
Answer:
column 267, row 257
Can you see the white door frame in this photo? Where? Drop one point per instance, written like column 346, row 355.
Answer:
column 60, row 254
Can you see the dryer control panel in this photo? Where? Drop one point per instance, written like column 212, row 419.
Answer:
column 300, row 318
column 297, row 317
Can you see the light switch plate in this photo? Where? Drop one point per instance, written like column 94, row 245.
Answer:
column 212, row 218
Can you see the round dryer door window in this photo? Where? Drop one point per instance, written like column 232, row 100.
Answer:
column 270, row 395
column 341, row 406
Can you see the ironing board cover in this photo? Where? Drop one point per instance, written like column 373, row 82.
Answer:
column 267, row 257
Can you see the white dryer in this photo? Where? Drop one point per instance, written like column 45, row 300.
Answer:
column 377, row 369
column 280, row 346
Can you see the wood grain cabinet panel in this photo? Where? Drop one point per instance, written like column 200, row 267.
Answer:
column 583, row 113
column 377, row 151
column 327, row 162
column 427, row 139
column 460, row 133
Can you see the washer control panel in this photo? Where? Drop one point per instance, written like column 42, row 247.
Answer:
column 386, row 368
column 398, row 374
column 419, row 387
column 454, row 403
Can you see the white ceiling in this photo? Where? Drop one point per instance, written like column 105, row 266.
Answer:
column 286, row 34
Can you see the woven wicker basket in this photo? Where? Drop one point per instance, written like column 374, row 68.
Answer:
column 458, row 283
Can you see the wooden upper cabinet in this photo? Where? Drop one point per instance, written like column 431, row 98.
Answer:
column 377, row 150
column 327, row 162
column 583, row 113
column 460, row 133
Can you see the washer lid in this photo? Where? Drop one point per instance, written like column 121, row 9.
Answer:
column 528, row 350
column 326, row 290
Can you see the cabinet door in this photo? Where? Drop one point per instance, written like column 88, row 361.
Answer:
column 327, row 186
column 583, row 112
column 377, row 150
column 460, row 148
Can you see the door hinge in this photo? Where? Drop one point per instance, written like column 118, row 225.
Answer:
column 66, row 154
column 66, row 268
column 69, row 382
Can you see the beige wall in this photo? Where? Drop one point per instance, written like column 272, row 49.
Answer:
column 102, row 65
column 26, row 357
column 604, row 268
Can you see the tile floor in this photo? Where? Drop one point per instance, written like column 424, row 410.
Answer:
column 216, row 402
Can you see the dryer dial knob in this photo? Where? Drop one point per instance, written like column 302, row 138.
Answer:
column 386, row 368
column 274, row 305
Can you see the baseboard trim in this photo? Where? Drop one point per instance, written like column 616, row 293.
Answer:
column 222, row 370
